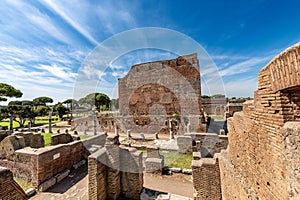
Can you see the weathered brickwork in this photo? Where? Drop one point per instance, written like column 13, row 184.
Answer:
column 156, row 91
column 49, row 161
column 61, row 139
column 206, row 171
column 115, row 172
column 261, row 151
column 104, row 122
column 9, row 189
column 46, row 165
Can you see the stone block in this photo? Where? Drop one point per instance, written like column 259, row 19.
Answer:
column 47, row 184
column 176, row 170
column 79, row 164
column 60, row 176
column 153, row 164
column 185, row 144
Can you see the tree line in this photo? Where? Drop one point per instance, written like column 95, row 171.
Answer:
column 22, row 110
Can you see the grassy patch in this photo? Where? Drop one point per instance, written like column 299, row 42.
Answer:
column 217, row 117
column 84, row 137
column 175, row 159
column 38, row 121
column 25, row 184
column 47, row 138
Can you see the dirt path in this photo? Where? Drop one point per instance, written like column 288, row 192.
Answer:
column 75, row 186
column 179, row 184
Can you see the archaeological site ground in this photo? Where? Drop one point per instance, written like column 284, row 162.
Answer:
column 160, row 144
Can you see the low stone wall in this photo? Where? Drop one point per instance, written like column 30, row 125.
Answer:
column 49, row 161
column 63, row 138
column 32, row 140
column 9, row 145
column 9, row 189
column 40, row 165
column 206, row 179
column 115, row 172
column 207, row 143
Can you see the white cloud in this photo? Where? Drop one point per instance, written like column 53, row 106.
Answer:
column 243, row 87
column 245, row 66
column 69, row 19
column 59, row 71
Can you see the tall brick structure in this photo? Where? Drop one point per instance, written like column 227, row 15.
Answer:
column 155, row 92
column 263, row 159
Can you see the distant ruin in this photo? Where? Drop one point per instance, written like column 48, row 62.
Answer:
column 155, row 97
column 157, row 91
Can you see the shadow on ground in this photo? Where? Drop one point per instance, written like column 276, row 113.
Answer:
column 74, row 177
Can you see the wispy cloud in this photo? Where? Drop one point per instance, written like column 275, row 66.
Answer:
column 245, row 65
column 60, row 11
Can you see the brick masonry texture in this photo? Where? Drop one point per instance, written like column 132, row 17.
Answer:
column 9, row 189
column 42, row 164
column 115, row 172
column 207, row 172
column 262, row 161
column 152, row 92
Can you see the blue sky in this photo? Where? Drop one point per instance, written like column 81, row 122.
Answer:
column 43, row 43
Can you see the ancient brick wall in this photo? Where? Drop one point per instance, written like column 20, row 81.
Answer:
column 61, row 139
column 156, row 91
column 9, row 189
column 104, row 122
column 115, row 172
column 46, row 162
column 256, row 137
column 206, row 176
column 9, row 145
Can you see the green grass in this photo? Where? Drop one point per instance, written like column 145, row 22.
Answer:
column 47, row 138
column 84, row 137
column 175, row 159
column 38, row 121
column 217, row 117
column 25, row 184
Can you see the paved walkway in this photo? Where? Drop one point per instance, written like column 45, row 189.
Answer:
column 75, row 187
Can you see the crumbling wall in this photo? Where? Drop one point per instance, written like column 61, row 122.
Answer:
column 157, row 91
column 9, row 189
column 33, row 140
column 49, row 161
column 61, row 139
column 18, row 141
column 259, row 148
column 104, row 122
column 115, row 172
column 9, row 145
